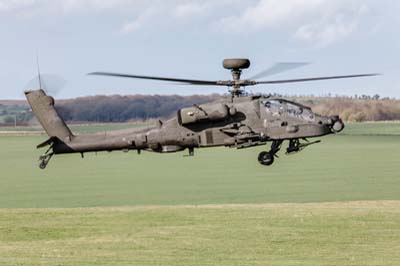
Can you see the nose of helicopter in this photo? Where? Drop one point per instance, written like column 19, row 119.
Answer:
column 335, row 124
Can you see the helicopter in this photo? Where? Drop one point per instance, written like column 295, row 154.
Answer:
column 239, row 121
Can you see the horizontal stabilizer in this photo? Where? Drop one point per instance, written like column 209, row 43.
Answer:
column 47, row 142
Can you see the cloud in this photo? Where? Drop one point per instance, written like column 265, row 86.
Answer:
column 315, row 21
column 159, row 13
column 332, row 28
column 11, row 5
column 319, row 22
column 70, row 5
column 270, row 13
column 139, row 21
column 55, row 7
column 176, row 11
column 16, row 6
column 187, row 10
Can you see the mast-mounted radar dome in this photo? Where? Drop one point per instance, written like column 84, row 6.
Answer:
column 236, row 63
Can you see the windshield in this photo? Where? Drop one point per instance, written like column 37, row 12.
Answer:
column 274, row 107
column 279, row 107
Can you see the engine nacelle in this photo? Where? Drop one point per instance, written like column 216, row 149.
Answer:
column 203, row 113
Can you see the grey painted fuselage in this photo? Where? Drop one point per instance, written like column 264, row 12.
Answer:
column 235, row 122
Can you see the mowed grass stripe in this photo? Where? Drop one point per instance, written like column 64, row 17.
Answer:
column 341, row 168
column 347, row 233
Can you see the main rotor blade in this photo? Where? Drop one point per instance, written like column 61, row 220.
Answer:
column 278, row 68
column 313, row 79
column 187, row 81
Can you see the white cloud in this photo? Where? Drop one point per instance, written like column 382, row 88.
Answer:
column 10, row 5
column 65, row 6
column 317, row 21
column 159, row 13
column 99, row 4
column 139, row 21
column 270, row 13
column 189, row 9
column 178, row 10
column 16, row 6
column 331, row 29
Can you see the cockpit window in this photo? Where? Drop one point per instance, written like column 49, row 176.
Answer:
column 279, row 107
column 275, row 107
column 294, row 110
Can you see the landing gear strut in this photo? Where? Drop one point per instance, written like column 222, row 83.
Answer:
column 267, row 157
column 45, row 158
column 191, row 151
column 295, row 145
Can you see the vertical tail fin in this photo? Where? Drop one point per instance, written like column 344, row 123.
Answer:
column 43, row 108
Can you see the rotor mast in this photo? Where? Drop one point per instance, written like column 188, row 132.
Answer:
column 235, row 66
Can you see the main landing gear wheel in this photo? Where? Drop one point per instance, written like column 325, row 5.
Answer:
column 266, row 158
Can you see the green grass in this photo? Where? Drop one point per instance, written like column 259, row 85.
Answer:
column 373, row 128
column 341, row 168
column 355, row 233
column 73, row 212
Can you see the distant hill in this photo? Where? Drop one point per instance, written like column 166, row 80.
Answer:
column 117, row 108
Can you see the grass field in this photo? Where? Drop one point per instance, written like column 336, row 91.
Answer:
column 357, row 233
column 152, row 209
column 373, row 129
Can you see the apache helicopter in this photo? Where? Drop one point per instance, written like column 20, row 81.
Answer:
column 239, row 121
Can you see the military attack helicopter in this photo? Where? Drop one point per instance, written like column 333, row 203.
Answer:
column 240, row 120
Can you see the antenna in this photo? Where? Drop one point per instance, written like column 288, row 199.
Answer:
column 38, row 69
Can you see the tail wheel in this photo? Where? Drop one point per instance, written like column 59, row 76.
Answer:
column 265, row 158
column 44, row 159
column 42, row 164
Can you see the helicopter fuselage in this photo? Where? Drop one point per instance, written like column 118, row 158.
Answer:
column 240, row 122
column 234, row 122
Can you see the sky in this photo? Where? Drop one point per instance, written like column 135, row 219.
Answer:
column 189, row 39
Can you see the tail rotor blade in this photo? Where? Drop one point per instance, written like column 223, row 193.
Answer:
column 50, row 83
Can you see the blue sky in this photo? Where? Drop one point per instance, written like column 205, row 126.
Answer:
column 189, row 39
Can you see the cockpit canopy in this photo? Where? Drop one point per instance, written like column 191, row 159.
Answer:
column 280, row 107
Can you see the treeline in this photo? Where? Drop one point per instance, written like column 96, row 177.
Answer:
column 119, row 108
column 16, row 113
column 357, row 109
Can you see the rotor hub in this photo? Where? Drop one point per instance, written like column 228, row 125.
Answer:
column 235, row 65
